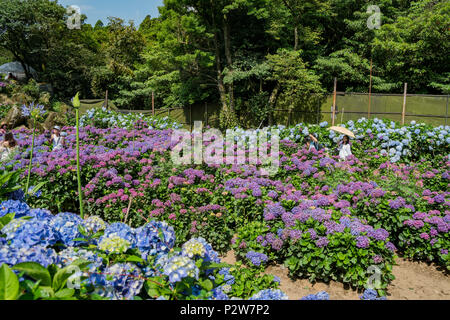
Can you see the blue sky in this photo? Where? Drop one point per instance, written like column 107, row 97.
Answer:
column 126, row 9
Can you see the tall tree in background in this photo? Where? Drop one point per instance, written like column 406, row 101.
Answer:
column 26, row 28
column 121, row 51
column 417, row 44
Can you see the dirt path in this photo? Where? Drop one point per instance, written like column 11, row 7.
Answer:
column 413, row 281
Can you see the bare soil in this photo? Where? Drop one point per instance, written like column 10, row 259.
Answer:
column 413, row 281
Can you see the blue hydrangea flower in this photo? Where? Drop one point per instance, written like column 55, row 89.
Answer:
column 155, row 237
column 219, row 294
column 121, row 281
column 322, row 295
column 178, row 268
column 121, row 230
column 256, row 258
column 36, row 194
column 227, row 276
column 270, row 294
column 114, row 244
column 19, row 208
column 371, row 294
column 41, row 214
column 66, row 225
column 198, row 247
column 39, row 254
column 29, row 233
column 17, row 195
column 94, row 224
column 71, row 254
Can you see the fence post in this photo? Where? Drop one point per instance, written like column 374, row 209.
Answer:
column 342, row 116
column 190, row 115
column 206, row 113
column 318, row 111
column 106, row 99
column 334, row 101
column 404, row 103
column 370, row 90
column 446, row 111
column 153, row 103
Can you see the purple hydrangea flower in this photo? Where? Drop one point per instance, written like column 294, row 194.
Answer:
column 362, row 242
column 256, row 258
column 322, row 242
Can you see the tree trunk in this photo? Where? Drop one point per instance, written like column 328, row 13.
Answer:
column 220, row 84
column 24, row 66
column 295, row 38
column 272, row 101
column 227, row 41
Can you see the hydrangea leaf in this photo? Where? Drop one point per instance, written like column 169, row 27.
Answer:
column 135, row 259
column 35, row 271
column 9, row 284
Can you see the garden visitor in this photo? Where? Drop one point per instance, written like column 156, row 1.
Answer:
column 309, row 144
column 10, row 76
column 57, row 138
column 313, row 142
column 7, row 147
column 344, row 148
column 3, row 128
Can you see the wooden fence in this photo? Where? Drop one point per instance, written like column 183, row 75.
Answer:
column 432, row 109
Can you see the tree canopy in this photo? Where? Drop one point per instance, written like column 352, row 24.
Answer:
column 247, row 55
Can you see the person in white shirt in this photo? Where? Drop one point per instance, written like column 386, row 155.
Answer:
column 57, row 139
column 7, row 147
column 345, row 149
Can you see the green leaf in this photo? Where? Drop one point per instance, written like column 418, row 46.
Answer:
column 218, row 265
column 65, row 293
column 9, row 284
column 207, row 284
column 36, row 271
column 135, row 259
column 83, row 231
column 60, row 278
column 44, row 292
column 6, row 219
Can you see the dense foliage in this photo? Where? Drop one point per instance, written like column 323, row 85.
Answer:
column 249, row 55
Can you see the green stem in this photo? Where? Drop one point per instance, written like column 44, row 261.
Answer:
column 31, row 158
column 80, row 196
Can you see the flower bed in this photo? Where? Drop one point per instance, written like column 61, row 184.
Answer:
column 324, row 219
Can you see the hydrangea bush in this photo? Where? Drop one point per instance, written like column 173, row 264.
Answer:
column 114, row 261
column 104, row 118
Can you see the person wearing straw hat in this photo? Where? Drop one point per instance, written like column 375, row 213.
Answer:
column 57, row 139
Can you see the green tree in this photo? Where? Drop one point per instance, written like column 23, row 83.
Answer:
column 27, row 27
column 417, row 46
column 298, row 87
